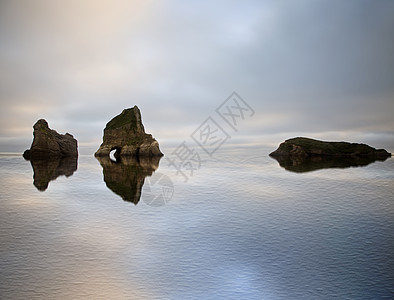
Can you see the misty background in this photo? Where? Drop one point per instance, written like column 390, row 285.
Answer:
column 322, row 69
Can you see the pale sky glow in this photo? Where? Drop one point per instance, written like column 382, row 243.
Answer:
column 318, row 68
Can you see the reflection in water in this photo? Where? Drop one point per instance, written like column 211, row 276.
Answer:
column 307, row 164
column 46, row 170
column 125, row 177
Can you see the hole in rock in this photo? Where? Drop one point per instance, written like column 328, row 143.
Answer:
column 114, row 155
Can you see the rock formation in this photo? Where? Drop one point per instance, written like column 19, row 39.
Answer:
column 47, row 143
column 126, row 134
column 126, row 176
column 306, row 147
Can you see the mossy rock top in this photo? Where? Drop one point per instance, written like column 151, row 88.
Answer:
column 129, row 116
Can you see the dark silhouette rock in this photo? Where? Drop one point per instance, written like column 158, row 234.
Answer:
column 46, row 170
column 126, row 134
column 47, row 143
column 126, row 176
column 306, row 147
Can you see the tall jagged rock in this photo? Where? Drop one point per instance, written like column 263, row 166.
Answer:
column 47, row 143
column 126, row 134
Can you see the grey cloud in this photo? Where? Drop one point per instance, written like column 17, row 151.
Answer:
column 304, row 66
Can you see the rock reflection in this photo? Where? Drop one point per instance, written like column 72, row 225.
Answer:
column 125, row 176
column 46, row 170
column 308, row 164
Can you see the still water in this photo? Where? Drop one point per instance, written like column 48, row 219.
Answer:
column 240, row 227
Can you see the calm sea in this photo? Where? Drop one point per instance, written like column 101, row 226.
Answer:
column 236, row 226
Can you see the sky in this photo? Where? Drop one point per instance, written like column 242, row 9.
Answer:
column 322, row 69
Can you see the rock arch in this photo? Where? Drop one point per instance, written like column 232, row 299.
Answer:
column 117, row 152
column 126, row 134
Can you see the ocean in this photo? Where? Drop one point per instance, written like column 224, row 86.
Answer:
column 233, row 225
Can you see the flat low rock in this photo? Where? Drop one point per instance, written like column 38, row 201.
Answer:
column 47, row 143
column 306, row 147
column 125, row 133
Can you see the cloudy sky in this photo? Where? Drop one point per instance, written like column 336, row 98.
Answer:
column 323, row 69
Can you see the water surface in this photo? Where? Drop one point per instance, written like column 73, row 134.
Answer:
column 241, row 227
